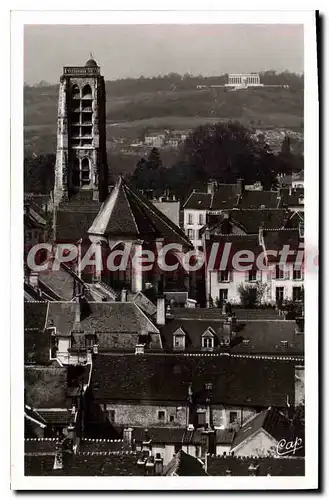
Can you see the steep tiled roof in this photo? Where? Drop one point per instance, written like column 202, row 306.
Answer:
column 74, row 218
column 238, row 466
column 231, row 244
column 124, row 464
column 99, row 317
column 57, row 416
column 35, row 314
column 214, row 313
column 45, row 387
column 251, row 382
column 265, row 337
column 225, row 197
column 100, row 445
column 40, row 446
column 60, row 282
column 271, row 420
column 126, row 213
column 276, row 239
column 198, row 201
column 183, row 464
column 34, row 415
column 259, row 199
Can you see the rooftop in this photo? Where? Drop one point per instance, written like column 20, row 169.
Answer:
column 126, row 213
column 236, row 381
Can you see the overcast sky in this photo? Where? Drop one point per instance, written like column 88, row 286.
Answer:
column 133, row 50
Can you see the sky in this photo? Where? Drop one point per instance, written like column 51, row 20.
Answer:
column 125, row 51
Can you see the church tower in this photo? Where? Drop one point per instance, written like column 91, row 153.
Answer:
column 81, row 163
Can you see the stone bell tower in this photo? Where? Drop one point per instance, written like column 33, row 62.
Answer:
column 81, row 162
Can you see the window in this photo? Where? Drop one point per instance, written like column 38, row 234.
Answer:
column 111, row 415
column 252, row 276
column 85, row 171
column 86, row 91
column 297, row 273
column 89, row 341
column 297, row 293
column 279, row 273
column 201, row 219
column 207, row 342
column 279, row 293
column 233, row 417
column 76, row 172
column 179, row 341
column 75, row 92
column 222, row 295
column 223, row 276
column 172, row 418
column 161, row 415
column 190, row 234
column 190, row 218
column 201, row 418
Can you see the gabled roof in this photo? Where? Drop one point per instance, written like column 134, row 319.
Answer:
column 259, row 199
column 128, row 214
column 272, row 421
column 246, row 220
column 225, row 197
column 235, row 381
column 183, row 464
column 99, row 317
column 198, row 201
column 265, row 337
column 276, row 239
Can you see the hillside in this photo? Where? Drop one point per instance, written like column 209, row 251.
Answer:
column 134, row 106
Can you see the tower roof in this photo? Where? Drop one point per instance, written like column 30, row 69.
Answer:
column 91, row 63
column 126, row 213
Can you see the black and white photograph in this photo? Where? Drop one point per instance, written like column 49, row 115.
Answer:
column 166, row 179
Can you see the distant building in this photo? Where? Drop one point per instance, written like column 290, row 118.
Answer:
column 155, row 140
column 243, row 80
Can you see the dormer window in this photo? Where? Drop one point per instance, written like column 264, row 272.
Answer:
column 208, row 340
column 179, row 340
column 89, row 341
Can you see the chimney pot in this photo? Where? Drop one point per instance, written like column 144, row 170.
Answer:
column 161, row 310
column 124, row 294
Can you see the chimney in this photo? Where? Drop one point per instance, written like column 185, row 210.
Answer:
column 127, row 438
column 233, row 325
column 211, row 187
column 33, row 279
column 253, row 469
column 77, row 317
column 58, row 462
column 240, row 186
column 89, row 356
column 161, row 310
column 261, row 236
column 124, row 294
column 158, row 465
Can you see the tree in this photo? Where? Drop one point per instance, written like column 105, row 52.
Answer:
column 149, row 173
column 228, row 151
column 252, row 296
